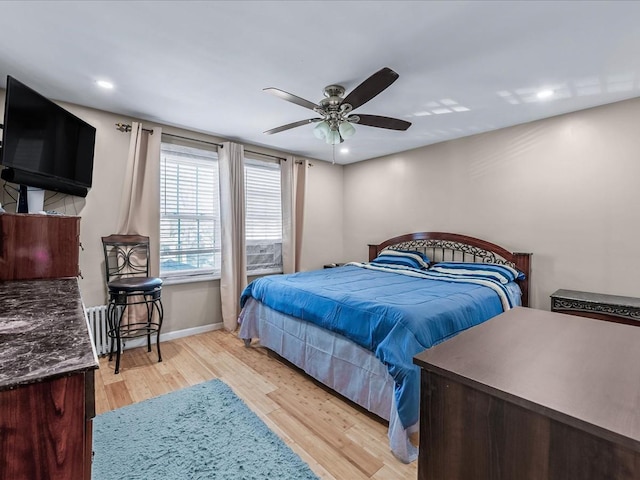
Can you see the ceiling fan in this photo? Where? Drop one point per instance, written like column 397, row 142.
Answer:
column 335, row 124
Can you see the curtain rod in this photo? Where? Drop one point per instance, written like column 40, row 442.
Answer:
column 123, row 127
column 193, row 139
column 221, row 146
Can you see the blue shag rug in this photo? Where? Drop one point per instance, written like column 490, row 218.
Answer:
column 200, row 432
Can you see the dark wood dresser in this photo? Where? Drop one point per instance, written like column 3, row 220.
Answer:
column 38, row 246
column 532, row 395
column 47, row 359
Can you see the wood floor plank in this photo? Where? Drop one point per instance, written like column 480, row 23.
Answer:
column 389, row 472
column 325, row 454
column 168, row 370
column 118, row 394
column 102, row 402
column 107, row 366
column 226, row 364
column 155, row 381
column 275, row 425
column 338, row 440
column 190, row 368
column 304, row 412
column 175, row 380
column 378, row 444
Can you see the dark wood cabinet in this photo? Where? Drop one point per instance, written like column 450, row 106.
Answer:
column 47, row 360
column 47, row 429
column 532, row 395
column 38, row 246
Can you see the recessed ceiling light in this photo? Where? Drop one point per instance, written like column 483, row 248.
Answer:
column 545, row 94
column 344, row 150
column 104, row 84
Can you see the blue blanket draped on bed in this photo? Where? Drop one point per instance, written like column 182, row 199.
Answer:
column 394, row 315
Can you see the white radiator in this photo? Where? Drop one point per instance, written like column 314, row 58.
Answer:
column 97, row 317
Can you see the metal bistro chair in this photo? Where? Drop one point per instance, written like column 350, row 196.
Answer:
column 135, row 305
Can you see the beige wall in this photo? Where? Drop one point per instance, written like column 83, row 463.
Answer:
column 193, row 304
column 322, row 233
column 565, row 189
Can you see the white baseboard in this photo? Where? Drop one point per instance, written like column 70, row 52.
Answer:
column 164, row 337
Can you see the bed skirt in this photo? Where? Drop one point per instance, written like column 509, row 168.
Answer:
column 332, row 359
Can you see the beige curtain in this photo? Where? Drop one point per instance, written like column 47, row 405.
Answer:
column 294, row 178
column 233, row 276
column 140, row 201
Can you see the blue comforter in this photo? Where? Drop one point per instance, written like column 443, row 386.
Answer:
column 394, row 315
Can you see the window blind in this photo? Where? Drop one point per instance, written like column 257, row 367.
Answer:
column 263, row 216
column 189, row 211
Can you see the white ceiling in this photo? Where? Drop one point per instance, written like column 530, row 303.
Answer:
column 203, row 65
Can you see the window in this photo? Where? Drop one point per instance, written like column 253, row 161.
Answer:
column 189, row 210
column 263, row 216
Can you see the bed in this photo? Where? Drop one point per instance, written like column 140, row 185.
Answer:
column 356, row 327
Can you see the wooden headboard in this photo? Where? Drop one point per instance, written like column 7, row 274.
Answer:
column 453, row 247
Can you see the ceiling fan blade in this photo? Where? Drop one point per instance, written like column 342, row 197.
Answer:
column 292, row 125
column 371, row 87
column 289, row 97
column 383, row 122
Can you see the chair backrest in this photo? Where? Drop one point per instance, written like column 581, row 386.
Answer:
column 126, row 256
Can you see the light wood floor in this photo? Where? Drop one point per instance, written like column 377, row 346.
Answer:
column 338, row 440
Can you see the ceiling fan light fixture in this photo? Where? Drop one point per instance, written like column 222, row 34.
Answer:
column 334, row 124
column 346, row 130
column 333, row 137
column 321, row 130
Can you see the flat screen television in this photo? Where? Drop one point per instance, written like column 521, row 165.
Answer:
column 44, row 145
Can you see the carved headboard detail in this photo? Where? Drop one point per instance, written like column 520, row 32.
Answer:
column 453, row 247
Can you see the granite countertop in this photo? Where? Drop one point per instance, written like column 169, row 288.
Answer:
column 43, row 332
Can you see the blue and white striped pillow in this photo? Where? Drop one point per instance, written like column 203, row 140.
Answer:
column 404, row 258
column 501, row 273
